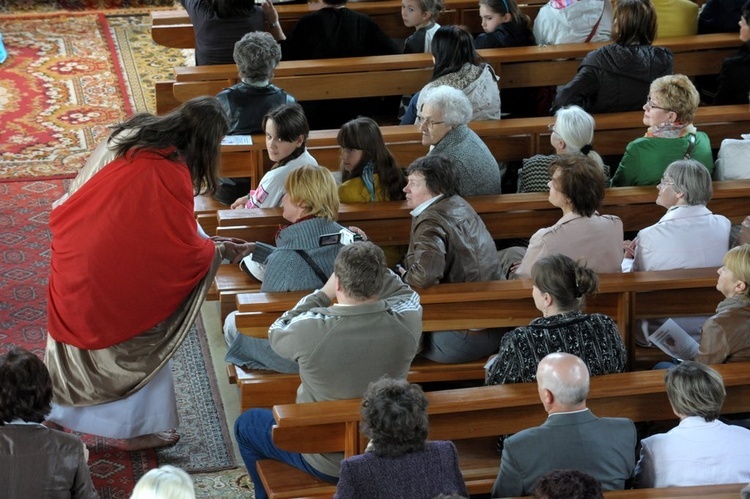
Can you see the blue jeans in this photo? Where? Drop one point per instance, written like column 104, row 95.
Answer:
column 253, row 353
column 253, row 432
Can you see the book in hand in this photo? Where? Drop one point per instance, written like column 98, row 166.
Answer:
column 237, row 140
column 671, row 339
column 254, row 264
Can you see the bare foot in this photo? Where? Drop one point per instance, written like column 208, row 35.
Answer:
column 152, row 441
column 53, row 426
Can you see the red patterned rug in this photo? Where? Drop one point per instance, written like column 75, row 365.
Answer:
column 59, row 89
column 24, row 265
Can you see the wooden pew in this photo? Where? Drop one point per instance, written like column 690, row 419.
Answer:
column 508, row 140
column 624, row 297
column 518, row 67
column 174, row 28
column 473, row 418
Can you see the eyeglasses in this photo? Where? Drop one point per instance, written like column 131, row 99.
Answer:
column 664, row 182
column 429, row 122
column 650, row 105
column 551, row 127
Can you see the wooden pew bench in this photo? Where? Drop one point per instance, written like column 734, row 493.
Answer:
column 624, row 297
column 376, row 76
column 472, row 418
column 506, row 216
column 508, row 140
column 174, row 28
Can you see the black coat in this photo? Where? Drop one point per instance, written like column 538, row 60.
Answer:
column 615, row 78
column 734, row 78
column 508, row 34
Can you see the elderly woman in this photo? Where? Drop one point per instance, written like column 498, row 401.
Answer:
column 688, row 236
column 577, row 188
column 448, row 243
column 297, row 263
column 724, row 337
column 572, row 133
column 218, row 24
column 616, row 77
column 734, row 77
column 442, row 120
column 37, row 461
column 669, row 113
column 458, row 65
column 129, row 272
column 394, row 418
column 256, row 54
column 560, row 286
column 701, row 450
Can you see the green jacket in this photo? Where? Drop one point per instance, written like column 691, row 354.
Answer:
column 646, row 158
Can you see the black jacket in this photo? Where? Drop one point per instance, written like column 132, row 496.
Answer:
column 508, row 34
column 734, row 78
column 615, row 78
column 246, row 105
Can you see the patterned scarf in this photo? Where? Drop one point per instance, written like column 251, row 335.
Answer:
column 670, row 130
column 368, row 178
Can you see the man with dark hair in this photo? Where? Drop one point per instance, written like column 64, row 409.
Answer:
column 567, row 484
column 372, row 330
column 571, row 438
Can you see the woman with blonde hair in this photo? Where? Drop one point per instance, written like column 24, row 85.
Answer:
column 724, row 337
column 572, row 133
column 669, row 112
column 297, row 263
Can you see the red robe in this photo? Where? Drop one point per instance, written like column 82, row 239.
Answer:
column 125, row 252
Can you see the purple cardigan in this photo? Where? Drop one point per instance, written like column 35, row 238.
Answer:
column 417, row 475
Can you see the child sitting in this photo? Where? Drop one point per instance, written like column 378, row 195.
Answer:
column 422, row 15
column 504, row 25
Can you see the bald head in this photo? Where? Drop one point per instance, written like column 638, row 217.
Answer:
column 563, row 381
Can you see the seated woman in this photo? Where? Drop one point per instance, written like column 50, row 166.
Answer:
column 669, row 113
column 218, row 24
column 724, row 337
column 573, row 21
column 701, row 450
column 443, row 120
column 560, row 286
column 394, row 418
column 458, row 65
column 297, row 263
column 129, row 234
column 577, row 188
column 572, row 133
column 616, row 77
column 37, row 461
column 286, row 134
column 720, row 16
column 369, row 172
column 448, row 243
column 734, row 77
column 257, row 54
column 688, row 236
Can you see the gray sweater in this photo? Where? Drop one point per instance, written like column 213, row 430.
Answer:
column 477, row 168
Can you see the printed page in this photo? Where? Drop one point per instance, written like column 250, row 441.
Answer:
column 674, row 340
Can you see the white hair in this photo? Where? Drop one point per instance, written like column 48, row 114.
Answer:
column 454, row 104
column 576, row 128
column 165, row 482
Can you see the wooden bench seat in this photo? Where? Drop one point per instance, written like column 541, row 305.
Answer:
column 624, row 297
column 174, row 28
column 468, row 414
column 508, row 139
column 259, row 388
column 376, row 76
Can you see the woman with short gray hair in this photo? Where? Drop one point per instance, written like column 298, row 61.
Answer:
column 701, row 450
column 688, row 236
column 442, row 120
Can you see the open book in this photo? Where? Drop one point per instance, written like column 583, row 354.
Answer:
column 674, row 341
column 237, row 140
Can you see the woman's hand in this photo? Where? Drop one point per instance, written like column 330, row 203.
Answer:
column 235, row 252
column 272, row 19
column 359, row 231
column 240, row 202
